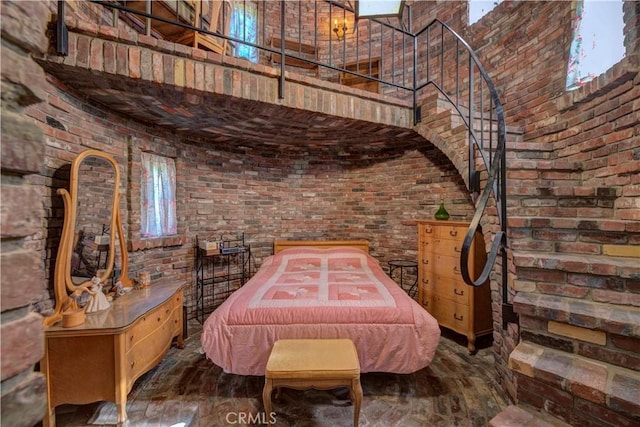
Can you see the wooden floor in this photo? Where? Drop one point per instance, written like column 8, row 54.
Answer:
column 187, row 390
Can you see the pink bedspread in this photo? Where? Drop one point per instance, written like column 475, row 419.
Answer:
column 321, row 293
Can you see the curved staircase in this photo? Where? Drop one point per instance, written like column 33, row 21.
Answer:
column 577, row 283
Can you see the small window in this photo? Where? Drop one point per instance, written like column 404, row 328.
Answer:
column 598, row 40
column 158, row 196
column 479, row 8
column 244, row 26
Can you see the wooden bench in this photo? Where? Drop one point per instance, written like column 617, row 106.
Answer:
column 320, row 364
column 295, row 48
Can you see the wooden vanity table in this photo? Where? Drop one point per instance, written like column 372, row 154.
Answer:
column 104, row 348
column 102, row 358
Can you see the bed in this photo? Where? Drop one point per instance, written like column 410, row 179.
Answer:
column 321, row 289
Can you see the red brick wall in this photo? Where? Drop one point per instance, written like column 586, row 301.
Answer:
column 229, row 190
column 592, row 134
column 583, row 142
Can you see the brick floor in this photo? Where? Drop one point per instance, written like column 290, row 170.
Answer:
column 187, row 390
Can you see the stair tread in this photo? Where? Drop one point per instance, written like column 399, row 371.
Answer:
column 543, row 164
column 564, row 191
column 579, row 263
column 599, row 382
column 525, row 416
column 603, row 224
column 619, row 319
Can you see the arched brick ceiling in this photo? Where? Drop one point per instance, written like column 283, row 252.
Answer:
column 231, row 121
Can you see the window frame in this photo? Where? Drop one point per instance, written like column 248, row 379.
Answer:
column 574, row 78
column 168, row 185
column 238, row 18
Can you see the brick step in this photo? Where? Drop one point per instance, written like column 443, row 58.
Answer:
column 542, row 178
column 437, row 104
column 574, row 388
column 520, row 147
column 555, row 191
column 597, row 206
column 525, row 416
column 543, row 164
column 596, row 236
column 538, row 208
column 598, row 265
column 583, row 319
column 592, row 224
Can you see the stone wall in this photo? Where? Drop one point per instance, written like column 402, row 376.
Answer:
column 23, row 148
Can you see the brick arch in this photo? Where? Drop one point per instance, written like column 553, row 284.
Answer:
column 455, row 150
column 121, row 74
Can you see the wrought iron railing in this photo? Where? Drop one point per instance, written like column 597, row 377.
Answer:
column 407, row 63
column 483, row 116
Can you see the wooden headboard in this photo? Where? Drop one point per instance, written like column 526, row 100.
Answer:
column 279, row 245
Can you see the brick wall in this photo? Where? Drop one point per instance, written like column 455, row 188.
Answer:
column 315, row 193
column 583, row 141
column 575, row 176
column 23, row 390
column 226, row 190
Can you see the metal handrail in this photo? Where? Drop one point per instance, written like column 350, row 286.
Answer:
column 493, row 158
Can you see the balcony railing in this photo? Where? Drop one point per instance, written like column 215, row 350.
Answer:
column 373, row 54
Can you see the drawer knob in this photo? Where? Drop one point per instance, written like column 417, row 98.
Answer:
column 131, row 338
column 457, row 249
column 456, row 269
column 455, row 316
column 453, row 232
column 425, row 303
column 457, row 292
column 425, row 281
column 159, row 318
column 133, row 364
column 425, row 261
column 428, row 229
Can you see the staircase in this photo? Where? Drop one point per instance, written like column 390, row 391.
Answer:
column 576, row 283
column 577, row 277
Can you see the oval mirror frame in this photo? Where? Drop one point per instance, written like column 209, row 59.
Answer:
column 63, row 284
column 95, row 193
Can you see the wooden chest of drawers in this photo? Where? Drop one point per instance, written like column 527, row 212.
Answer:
column 102, row 358
column 441, row 291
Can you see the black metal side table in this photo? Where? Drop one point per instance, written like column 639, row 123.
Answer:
column 403, row 265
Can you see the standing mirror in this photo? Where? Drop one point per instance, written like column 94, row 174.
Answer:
column 91, row 224
column 91, row 247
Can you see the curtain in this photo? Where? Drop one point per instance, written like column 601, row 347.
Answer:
column 158, row 196
column 244, row 26
column 598, row 40
column 575, row 53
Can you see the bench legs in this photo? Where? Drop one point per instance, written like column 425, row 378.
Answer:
column 355, row 392
column 356, row 397
column 266, row 399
